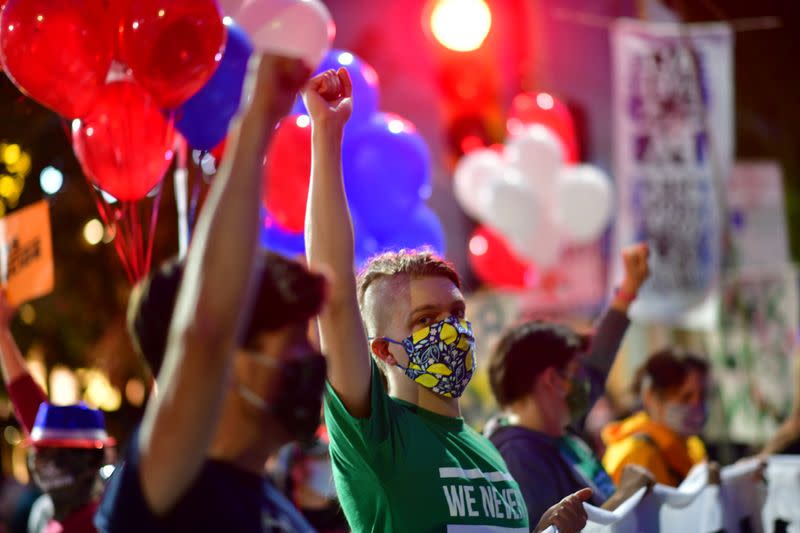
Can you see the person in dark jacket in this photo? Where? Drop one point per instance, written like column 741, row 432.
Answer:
column 546, row 382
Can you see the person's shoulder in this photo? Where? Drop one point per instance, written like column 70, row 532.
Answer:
column 508, row 437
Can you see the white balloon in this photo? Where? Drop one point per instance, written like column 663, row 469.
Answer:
column 584, row 201
column 301, row 29
column 539, row 155
column 473, row 176
column 230, row 7
column 512, row 207
column 544, row 247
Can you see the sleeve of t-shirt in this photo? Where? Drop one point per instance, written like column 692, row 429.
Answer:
column 27, row 396
column 532, row 475
column 357, row 444
column 124, row 508
column 610, row 331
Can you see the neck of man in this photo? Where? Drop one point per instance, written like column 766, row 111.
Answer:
column 529, row 414
column 402, row 388
column 241, row 442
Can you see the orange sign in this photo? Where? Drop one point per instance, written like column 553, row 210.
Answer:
column 26, row 253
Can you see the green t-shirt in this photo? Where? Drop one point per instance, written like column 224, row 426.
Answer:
column 408, row 470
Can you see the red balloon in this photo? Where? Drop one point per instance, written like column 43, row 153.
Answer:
column 546, row 109
column 287, row 172
column 125, row 144
column 58, row 52
column 495, row 264
column 172, row 46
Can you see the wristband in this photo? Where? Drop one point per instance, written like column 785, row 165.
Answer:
column 624, row 295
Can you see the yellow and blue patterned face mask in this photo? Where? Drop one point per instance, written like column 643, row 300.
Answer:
column 441, row 357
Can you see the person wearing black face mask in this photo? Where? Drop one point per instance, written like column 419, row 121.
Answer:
column 542, row 377
column 239, row 377
column 275, row 393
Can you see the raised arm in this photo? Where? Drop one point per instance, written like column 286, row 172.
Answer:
column 330, row 244
column 214, row 295
column 26, row 395
column 614, row 323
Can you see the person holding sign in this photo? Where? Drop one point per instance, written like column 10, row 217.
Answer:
column 403, row 458
column 67, row 468
column 547, row 380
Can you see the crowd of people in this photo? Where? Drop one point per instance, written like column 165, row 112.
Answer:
column 249, row 349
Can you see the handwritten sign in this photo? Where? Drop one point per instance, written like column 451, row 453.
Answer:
column 673, row 141
column 26, row 254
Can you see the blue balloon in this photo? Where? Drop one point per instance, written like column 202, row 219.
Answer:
column 422, row 229
column 277, row 239
column 366, row 244
column 386, row 166
column 365, row 85
column 203, row 120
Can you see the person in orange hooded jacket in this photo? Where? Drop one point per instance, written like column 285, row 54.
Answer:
column 663, row 437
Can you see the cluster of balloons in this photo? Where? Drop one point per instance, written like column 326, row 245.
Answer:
column 131, row 71
column 387, row 173
column 293, row 28
column 531, row 195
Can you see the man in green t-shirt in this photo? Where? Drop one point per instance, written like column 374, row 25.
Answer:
column 403, row 460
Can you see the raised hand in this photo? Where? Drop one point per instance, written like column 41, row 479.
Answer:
column 634, row 261
column 329, row 97
column 278, row 79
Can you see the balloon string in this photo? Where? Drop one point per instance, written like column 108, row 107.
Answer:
column 136, row 227
column 102, row 209
column 67, row 129
column 126, row 238
column 133, row 251
column 152, row 229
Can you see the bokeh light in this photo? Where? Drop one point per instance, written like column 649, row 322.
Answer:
column 51, row 180
column 93, row 232
column 461, row 25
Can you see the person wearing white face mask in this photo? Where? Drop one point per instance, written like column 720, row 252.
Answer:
column 663, row 437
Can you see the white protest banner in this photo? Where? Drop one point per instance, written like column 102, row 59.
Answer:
column 620, row 520
column 742, row 498
column 752, row 353
column 733, row 506
column 667, row 507
column 782, row 509
column 757, row 216
column 673, row 107
column 740, row 503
